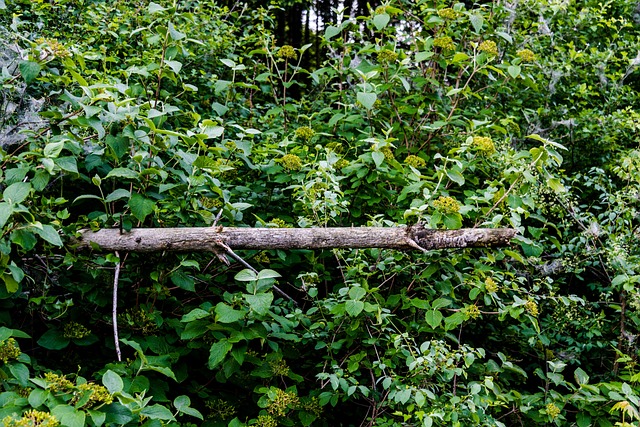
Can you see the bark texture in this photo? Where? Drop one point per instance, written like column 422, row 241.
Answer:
column 209, row 238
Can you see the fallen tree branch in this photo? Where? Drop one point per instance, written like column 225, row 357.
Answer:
column 193, row 239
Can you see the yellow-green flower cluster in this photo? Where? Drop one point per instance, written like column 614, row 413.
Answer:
column 210, row 203
column 552, row 410
column 58, row 382
column 287, row 52
column 262, row 258
column 282, row 401
column 526, row 55
column 489, row 47
column 305, row 132
column 531, row 307
column 446, row 204
column 490, row 285
column 388, row 153
column 484, row 144
column 312, row 406
column 472, row 311
column 447, row 13
column 266, row 421
column 139, row 319
column 54, row 47
column 75, row 330
column 99, row 394
column 221, row 409
column 415, row 161
column 387, row 56
column 9, row 350
column 291, row 162
column 279, row 367
column 335, row 146
column 549, row 354
column 32, row 418
column 444, row 43
column 341, row 163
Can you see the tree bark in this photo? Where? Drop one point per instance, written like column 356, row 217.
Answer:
column 209, row 238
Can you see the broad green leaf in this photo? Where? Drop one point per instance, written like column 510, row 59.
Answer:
column 378, row 157
column 53, row 149
column 227, row 314
column 10, row 283
column 140, row 206
column 20, row 372
column 17, row 192
column 183, row 281
column 440, row 303
column 69, row 416
column 175, row 66
column 514, row 70
column 112, row 382
column 477, row 21
column 583, row 419
column 53, row 339
column 453, row 221
column 267, row 274
column 367, row 99
column 357, row 293
column 455, row 176
column 122, row 173
column 330, row 32
column 29, row 70
column 353, row 307
column 260, row 303
column 48, row 233
column 155, row 8
column 581, row 376
column 195, row 314
column 175, row 34
column 433, row 318
column 118, row 194
column 67, row 163
column 98, row 417
column 218, row 352
column 380, row 21
column 157, row 412
column 183, row 405
column 5, row 212
column 246, row 275
column 37, row 397
column 556, row 185
column 454, row 320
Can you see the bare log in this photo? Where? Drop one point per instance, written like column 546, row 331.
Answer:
column 208, row 238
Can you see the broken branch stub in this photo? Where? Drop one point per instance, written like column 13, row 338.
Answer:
column 195, row 239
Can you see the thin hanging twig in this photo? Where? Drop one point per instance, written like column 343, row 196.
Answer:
column 116, row 279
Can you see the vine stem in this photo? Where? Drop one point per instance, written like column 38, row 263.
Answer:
column 114, row 313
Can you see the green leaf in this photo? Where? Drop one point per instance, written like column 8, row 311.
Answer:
column 440, row 303
column 330, row 32
column 246, row 275
column 20, row 372
column 175, row 34
column 477, row 21
column 53, row 149
column 367, row 99
column 98, row 417
column 69, row 416
column 260, row 303
column 453, row 221
column 514, row 70
column 5, row 212
column 455, row 176
column 581, row 376
column 433, row 318
column 67, row 163
column 353, row 307
column 118, row 194
column 183, row 405
column 48, row 233
column 226, row 314
column 53, row 339
column 183, row 281
column 195, row 314
column 155, row 8
column 122, row 173
column 583, row 419
column 37, row 397
column 378, row 158
column 112, row 382
column 29, row 70
column 141, row 206
column 357, row 293
column 17, row 192
column 556, row 185
column 218, row 352
column 266, row 274
column 157, row 412
column 454, row 320
column 380, row 21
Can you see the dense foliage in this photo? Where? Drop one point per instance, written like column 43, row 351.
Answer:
column 164, row 114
